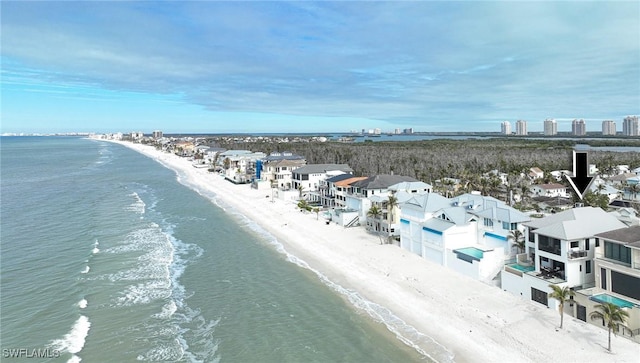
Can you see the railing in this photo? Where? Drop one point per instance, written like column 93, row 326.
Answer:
column 576, row 254
column 550, row 249
column 353, row 222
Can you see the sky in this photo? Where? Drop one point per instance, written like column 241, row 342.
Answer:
column 303, row 66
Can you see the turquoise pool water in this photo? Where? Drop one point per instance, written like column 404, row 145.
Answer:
column 469, row 254
column 522, row 268
column 602, row 298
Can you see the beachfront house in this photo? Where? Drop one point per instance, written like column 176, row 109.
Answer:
column 616, row 269
column 330, row 189
column 307, row 179
column 559, row 250
column 469, row 233
column 276, row 170
column 239, row 166
column 360, row 192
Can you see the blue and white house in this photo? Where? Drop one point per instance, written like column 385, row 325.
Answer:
column 469, row 233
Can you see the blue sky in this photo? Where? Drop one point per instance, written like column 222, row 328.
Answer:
column 274, row 66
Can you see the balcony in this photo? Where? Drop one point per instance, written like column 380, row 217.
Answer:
column 575, row 254
column 550, row 276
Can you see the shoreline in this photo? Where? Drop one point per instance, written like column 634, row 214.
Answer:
column 468, row 320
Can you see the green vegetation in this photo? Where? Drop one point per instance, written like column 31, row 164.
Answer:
column 436, row 159
column 562, row 294
column 612, row 317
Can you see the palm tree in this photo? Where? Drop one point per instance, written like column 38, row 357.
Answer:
column 634, row 189
column 391, row 203
column 518, row 239
column 612, row 316
column 524, row 190
column 374, row 212
column 561, row 294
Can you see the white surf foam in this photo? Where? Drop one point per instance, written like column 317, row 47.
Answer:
column 95, row 249
column 82, row 303
column 138, row 205
column 423, row 344
column 167, row 310
column 74, row 340
column 86, row 270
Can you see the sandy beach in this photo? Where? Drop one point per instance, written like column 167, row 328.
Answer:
column 447, row 315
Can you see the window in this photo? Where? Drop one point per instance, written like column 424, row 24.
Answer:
column 509, row 226
column 575, row 244
column 587, row 244
column 587, row 267
column 488, row 222
column 617, row 252
column 603, row 278
column 597, row 242
column 539, row 296
column 549, row 244
column 624, row 284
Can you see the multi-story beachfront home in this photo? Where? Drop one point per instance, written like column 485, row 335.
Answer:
column 617, row 278
column 275, row 170
column 469, row 233
column 307, row 179
column 360, row 192
column 559, row 250
column 239, row 166
column 386, row 222
column 332, row 190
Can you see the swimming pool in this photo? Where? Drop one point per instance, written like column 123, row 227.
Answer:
column 603, row 298
column 469, row 254
column 522, row 268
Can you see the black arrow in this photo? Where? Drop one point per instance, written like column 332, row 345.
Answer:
column 580, row 180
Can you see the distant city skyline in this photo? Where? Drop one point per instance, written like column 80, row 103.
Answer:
column 276, row 66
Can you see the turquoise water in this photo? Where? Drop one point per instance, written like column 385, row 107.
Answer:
column 106, row 257
column 471, row 251
column 522, row 268
column 606, row 298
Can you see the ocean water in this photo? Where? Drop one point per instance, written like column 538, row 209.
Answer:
column 106, row 257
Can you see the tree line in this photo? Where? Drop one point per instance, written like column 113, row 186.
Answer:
column 430, row 160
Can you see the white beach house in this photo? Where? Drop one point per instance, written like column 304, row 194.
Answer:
column 239, row 165
column 332, row 189
column 617, row 278
column 307, row 179
column 276, row 170
column 560, row 249
column 469, row 233
column 549, row 190
column 360, row 192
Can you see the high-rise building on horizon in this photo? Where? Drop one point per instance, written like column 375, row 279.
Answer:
column 521, row 127
column 578, row 127
column 505, row 128
column 157, row 134
column 630, row 126
column 608, row 127
column 550, row 127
